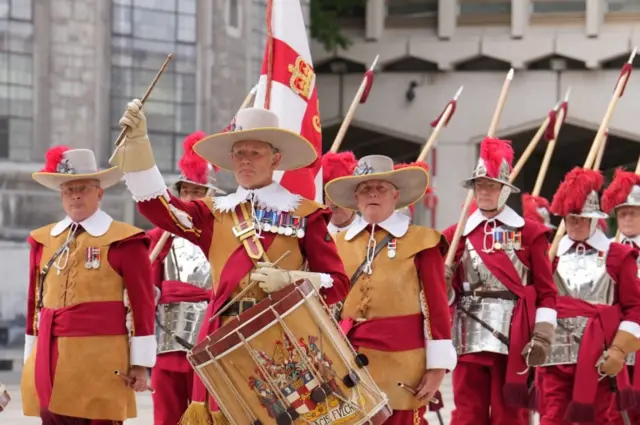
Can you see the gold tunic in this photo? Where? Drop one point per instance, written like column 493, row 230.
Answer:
column 392, row 290
column 84, row 384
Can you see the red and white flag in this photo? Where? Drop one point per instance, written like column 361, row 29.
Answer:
column 287, row 86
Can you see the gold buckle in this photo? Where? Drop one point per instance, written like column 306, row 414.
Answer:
column 239, row 232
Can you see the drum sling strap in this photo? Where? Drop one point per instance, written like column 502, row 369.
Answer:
column 245, row 230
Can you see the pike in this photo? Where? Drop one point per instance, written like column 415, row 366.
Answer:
column 361, row 97
column 625, row 73
column 439, row 123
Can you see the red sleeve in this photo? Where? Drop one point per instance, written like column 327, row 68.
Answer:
column 190, row 220
column 430, row 266
column 35, row 254
column 541, row 272
column 130, row 259
column 622, row 266
column 320, row 250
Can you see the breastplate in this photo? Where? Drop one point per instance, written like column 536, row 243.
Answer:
column 583, row 275
column 468, row 335
column 185, row 263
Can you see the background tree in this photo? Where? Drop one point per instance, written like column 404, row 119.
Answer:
column 325, row 23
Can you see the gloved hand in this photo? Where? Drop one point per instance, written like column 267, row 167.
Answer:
column 135, row 153
column 612, row 361
column 272, row 279
column 537, row 350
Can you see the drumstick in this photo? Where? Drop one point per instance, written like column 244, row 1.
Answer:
column 245, row 290
column 414, row 392
column 127, row 379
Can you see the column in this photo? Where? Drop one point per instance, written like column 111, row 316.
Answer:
column 520, row 10
column 594, row 17
column 447, row 18
column 374, row 23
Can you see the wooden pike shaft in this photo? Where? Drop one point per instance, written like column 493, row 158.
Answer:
column 147, row 93
column 588, row 163
column 165, row 236
column 529, row 150
column 433, row 137
column 548, row 153
column 603, row 145
column 464, row 214
column 351, row 112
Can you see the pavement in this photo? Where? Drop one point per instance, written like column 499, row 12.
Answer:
column 13, row 414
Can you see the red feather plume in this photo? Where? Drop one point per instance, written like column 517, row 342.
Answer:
column 530, row 205
column 192, row 166
column 573, row 191
column 420, row 164
column 53, row 157
column 335, row 165
column 493, row 151
column 619, row 189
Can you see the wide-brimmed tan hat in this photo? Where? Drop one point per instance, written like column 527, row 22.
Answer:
column 65, row 165
column 261, row 125
column 411, row 182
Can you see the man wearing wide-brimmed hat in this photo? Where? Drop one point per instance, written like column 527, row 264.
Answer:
column 245, row 231
column 598, row 311
column 503, row 297
column 182, row 275
column 90, row 308
column 396, row 313
column 335, row 165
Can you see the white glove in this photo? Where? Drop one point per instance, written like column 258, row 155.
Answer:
column 135, row 120
column 272, row 279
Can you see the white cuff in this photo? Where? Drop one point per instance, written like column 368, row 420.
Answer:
column 632, row 327
column 548, row 315
column 441, row 354
column 143, row 350
column 29, row 343
column 158, row 294
column 145, row 185
column 326, row 281
column 466, row 286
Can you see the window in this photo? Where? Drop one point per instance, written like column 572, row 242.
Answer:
column 143, row 33
column 16, row 79
column 623, row 6
column 558, row 6
column 233, row 18
column 412, row 8
column 258, row 35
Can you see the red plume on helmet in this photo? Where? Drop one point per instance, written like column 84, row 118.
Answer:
column 193, row 167
column 492, row 152
column 574, row 190
column 336, row 165
column 530, row 205
column 619, row 189
column 421, row 164
column 53, row 157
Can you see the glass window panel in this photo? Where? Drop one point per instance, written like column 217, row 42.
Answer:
column 151, row 54
column 166, row 5
column 4, row 67
column 187, row 6
column 5, row 104
column 160, row 115
column 21, row 36
column 186, row 88
column 186, row 58
column 122, row 2
column 234, row 17
column 20, row 138
column 163, row 148
column 4, row 91
column 154, row 25
column 122, row 81
column 187, row 28
column 485, row 8
column 20, row 93
column 21, row 9
column 559, row 6
column 4, row 9
column 121, row 20
column 165, row 89
column 186, row 118
column 21, row 70
column 118, row 106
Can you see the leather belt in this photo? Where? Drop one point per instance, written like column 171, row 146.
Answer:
column 240, row 307
column 501, row 295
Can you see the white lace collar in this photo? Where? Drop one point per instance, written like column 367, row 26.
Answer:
column 598, row 241
column 273, row 197
column 397, row 224
column 507, row 216
column 96, row 225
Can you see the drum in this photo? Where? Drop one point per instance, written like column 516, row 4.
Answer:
column 5, row 398
column 285, row 361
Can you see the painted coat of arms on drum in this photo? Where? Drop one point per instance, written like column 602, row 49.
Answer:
column 296, row 381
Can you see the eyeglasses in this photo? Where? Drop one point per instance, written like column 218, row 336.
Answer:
column 80, row 189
